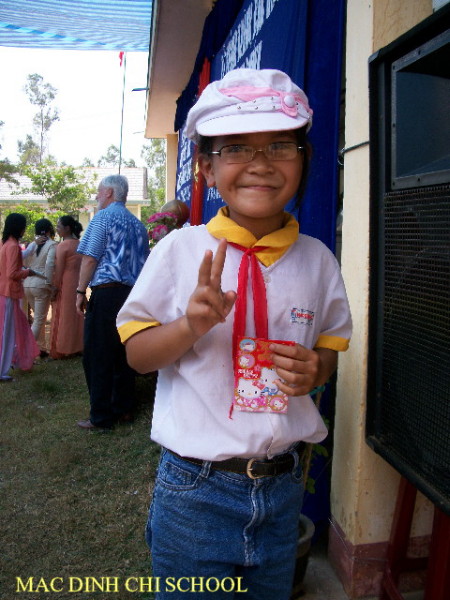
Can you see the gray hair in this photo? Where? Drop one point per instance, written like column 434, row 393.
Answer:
column 119, row 185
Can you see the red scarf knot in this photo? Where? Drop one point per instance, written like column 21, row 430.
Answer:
column 259, row 295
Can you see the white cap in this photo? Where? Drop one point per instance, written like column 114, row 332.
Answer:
column 249, row 101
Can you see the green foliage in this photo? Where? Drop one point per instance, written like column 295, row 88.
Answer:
column 154, row 154
column 32, row 212
column 64, row 189
column 149, row 209
column 28, row 151
column 41, row 94
column 112, row 158
column 7, row 171
column 316, row 450
column 156, row 195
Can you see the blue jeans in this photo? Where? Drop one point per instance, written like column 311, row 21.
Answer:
column 223, row 532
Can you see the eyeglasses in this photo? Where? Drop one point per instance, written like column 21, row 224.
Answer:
column 240, row 153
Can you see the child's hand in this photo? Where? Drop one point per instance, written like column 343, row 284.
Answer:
column 301, row 369
column 209, row 305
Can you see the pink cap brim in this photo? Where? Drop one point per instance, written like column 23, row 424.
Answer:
column 252, row 123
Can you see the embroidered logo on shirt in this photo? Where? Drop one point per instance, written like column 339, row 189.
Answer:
column 302, row 316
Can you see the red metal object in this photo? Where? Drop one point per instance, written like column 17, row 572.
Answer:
column 438, row 575
column 397, row 561
column 198, row 182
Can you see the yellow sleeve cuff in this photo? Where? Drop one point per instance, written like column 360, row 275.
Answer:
column 129, row 329
column 332, row 342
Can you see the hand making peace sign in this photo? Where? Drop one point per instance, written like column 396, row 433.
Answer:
column 209, row 305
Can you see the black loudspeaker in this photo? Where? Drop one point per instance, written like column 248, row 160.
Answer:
column 408, row 401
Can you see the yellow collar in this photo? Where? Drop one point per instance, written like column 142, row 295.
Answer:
column 276, row 243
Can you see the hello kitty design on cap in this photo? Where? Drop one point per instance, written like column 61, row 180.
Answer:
column 249, row 101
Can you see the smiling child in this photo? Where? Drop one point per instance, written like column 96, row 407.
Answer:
column 229, row 488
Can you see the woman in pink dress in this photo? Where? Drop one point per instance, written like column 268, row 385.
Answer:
column 18, row 347
column 67, row 324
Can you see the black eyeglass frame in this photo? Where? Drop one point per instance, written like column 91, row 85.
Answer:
column 254, row 151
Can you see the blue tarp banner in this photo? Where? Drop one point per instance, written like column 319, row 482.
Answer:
column 76, row 24
column 304, row 39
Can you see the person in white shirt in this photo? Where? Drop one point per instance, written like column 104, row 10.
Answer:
column 229, row 489
column 39, row 287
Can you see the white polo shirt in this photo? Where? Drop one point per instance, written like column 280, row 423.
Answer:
column 307, row 304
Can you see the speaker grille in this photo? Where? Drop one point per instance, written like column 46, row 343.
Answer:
column 413, row 417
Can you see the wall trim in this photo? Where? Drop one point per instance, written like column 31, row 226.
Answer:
column 360, row 567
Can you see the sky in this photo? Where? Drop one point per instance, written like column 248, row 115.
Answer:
column 90, row 85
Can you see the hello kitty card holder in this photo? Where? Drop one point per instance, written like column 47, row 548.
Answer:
column 255, row 389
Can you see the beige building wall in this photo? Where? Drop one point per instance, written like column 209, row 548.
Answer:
column 171, row 165
column 364, row 486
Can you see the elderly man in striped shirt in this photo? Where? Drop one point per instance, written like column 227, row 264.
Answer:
column 114, row 248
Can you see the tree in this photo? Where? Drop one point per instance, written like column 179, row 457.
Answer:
column 32, row 212
column 42, row 94
column 63, row 188
column 28, row 151
column 154, row 154
column 111, row 158
column 7, row 169
column 131, row 163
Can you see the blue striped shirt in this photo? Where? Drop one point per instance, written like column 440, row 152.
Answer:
column 119, row 243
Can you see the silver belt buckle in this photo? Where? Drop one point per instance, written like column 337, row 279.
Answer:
column 248, row 470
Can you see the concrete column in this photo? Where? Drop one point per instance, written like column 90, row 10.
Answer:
column 364, row 486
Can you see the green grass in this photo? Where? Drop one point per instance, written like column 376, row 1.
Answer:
column 73, row 503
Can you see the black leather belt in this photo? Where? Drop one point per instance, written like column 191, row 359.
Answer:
column 110, row 284
column 255, row 468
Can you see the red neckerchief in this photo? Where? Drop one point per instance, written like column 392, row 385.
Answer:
column 249, row 261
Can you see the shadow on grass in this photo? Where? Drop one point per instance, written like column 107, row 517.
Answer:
column 74, row 503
